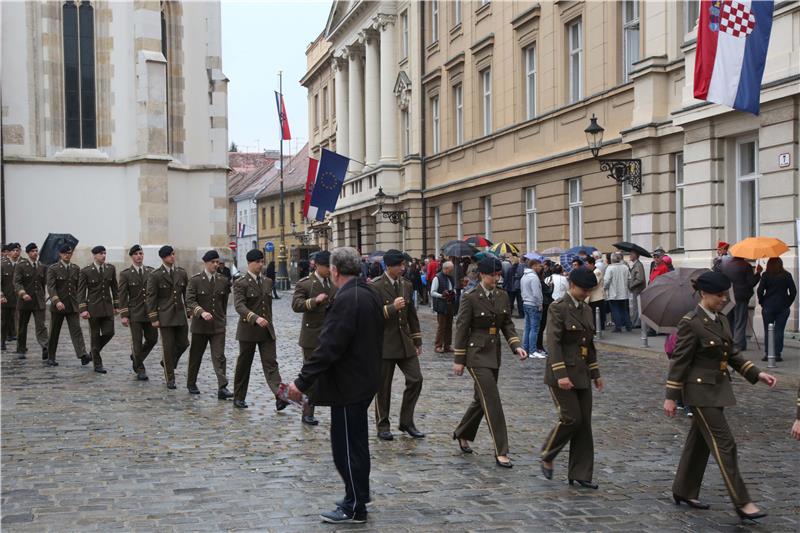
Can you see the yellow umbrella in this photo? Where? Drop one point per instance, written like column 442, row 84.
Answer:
column 759, row 248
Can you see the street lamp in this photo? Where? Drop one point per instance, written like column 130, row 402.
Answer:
column 620, row 170
column 301, row 236
column 395, row 217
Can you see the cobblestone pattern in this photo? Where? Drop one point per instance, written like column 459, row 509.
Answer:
column 86, row 452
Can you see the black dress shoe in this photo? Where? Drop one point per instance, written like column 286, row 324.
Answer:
column 280, row 405
column 100, row 370
column 21, row 355
column 224, row 394
column 3, row 347
column 464, row 448
column 86, row 359
column 171, row 384
column 385, row 435
column 52, row 363
column 504, row 464
column 695, row 504
column 750, row 516
column 546, row 472
column 241, row 404
column 193, row 389
column 310, row 420
column 584, row 484
column 412, row 432
column 45, row 353
column 12, row 338
column 141, row 376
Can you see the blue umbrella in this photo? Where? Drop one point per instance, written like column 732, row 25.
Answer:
column 575, row 250
column 533, row 256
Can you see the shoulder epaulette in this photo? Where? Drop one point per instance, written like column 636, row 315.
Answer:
column 197, row 275
column 304, row 279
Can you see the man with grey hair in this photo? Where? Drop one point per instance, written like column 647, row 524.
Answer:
column 443, row 295
column 599, row 262
column 343, row 372
column 616, row 281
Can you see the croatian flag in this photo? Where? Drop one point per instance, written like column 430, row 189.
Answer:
column 732, row 42
column 286, row 135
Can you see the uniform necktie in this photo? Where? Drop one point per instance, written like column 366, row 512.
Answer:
column 258, row 280
column 397, row 288
column 325, row 283
column 172, row 274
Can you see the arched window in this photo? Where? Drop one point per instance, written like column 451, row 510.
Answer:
column 79, row 76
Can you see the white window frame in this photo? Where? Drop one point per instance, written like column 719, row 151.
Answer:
column 434, row 21
column 627, row 215
column 575, row 211
column 458, row 99
column 487, row 217
column 436, row 125
column 630, row 28
column 486, row 99
column 741, row 180
column 456, row 12
column 404, row 36
column 531, row 222
column 691, row 12
column 437, row 223
column 575, row 57
column 680, row 202
column 407, row 132
column 459, row 220
column 530, row 82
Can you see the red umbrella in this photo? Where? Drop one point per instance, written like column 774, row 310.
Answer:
column 478, row 241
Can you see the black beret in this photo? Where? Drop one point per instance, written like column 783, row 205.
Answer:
column 254, row 255
column 489, row 265
column 393, row 258
column 14, row 246
column 5, row 247
column 210, row 256
column 712, row 282
column 65, row 249
column 165, row 251
column 98, row 249
column 323, row 258
column 135, row 248
column 30, row 247
column 583, row 278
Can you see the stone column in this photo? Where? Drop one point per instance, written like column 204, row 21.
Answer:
column 372, row 104
column 355, row 95
column 342, row 131
column 388, row 102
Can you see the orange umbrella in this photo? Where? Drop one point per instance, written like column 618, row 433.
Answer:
column 759, row 248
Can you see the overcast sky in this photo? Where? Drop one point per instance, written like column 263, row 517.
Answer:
column 259, row 38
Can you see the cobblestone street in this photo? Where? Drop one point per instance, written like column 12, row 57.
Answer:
column 89, row 452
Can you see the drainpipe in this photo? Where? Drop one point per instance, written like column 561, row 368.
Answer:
column 422, row 136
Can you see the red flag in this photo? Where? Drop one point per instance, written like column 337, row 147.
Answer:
column 284, row 120
column 310, row 179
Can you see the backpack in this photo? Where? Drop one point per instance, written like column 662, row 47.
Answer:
column 670, row 343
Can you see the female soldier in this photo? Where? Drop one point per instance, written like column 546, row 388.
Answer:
column 699, row 374
column 571, row 366
column 482, row 314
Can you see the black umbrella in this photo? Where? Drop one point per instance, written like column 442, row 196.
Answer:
column 48, row 253
column 631, row 247
column 459, row 249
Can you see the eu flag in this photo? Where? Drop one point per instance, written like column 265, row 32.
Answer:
column 330, row 176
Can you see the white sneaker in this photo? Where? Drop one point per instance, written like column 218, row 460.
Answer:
column 536, row 355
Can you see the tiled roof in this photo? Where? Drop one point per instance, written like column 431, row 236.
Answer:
column 248, row 161
column 294, row 175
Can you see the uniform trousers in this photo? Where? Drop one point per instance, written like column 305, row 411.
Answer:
column 574, row 426
column 101, row 330
column 309, row 410
column 144, row 338
column 41, row 329
column 269, row 362
column 76, row 334
column 7, row 323
column 198, row 347
column 413, row 374
column 444, row 328
column 350, row 447
column 174, row 341
column 709, row 434
column 486, row 402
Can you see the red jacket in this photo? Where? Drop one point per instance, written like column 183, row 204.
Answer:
column 432, row 269
column 661, row 268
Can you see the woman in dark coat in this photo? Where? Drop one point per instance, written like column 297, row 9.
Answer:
column 776, row 293
column 271, row 275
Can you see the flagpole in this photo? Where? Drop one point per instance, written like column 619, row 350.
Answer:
column 282, row 276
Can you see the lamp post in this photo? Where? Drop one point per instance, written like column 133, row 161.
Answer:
column 620, row 170
column 395, row 217
column 282, row 276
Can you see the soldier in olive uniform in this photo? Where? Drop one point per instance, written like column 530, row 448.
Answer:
column 312, row 297
column 402, row 345
column 8, row 296
column 98, row 301
column 252, row 299
column 132, row 284
column 699, row 375
column 570, row 368
column 62, row 286
column 482, row 315
column 29, row 283
column 165, row 301
column 207, row 301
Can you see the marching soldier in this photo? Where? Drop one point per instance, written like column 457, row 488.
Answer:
column 482, row 314
column 402, row 345
column 8, row 296
column 165, row 301
column 699, row 375
column 252, row 299
column 312, row 296
column 207, row 301
column 132, row 285
column 29, row 283
column 62, row 286
column 98, row 301
column 570, row 368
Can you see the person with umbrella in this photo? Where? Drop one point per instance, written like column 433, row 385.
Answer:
column 637, row 284
column 699, row 374
column 62, row 286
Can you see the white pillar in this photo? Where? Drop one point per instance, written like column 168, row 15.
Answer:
column 342, row 131
column 355, row 94
column 372, row 102
column 388, row 106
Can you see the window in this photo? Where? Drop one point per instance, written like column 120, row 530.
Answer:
column 487, row 217
column 372, row 182
column 486, row 107
column 575, row 38
column 575, row 212
column 79, row 82
column 272, row 216
column 291, row 213
column 691, row 10
column 333, row 100
column 530, row 219
column 530, row 82
column 630, row 36
column 324, row 105
column 747, row 188
column 456, row 13
column 264, row 217
column 437, row 223
column 434, row 21
column 627, row 194
column 435, row 124
column 406, row 132
column 355, row 187
column 459, row 208
column 316, row 111
column 680, row 203
column 404, row 41
column 458, row 98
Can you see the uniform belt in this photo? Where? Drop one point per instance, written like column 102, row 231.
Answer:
column 493, row 331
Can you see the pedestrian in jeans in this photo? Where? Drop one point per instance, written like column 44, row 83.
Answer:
column 616, row 281
column 776, row 293
column 743, row 279
column 531, row 289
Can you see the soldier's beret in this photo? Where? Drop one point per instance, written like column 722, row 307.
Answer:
column 31, row 246
column 14, row 246
column 4, row 247
column 254, row 255
column 210, row 256
column 712, row 282
column 65, row 249
column 98, row 249
column 135, row 248
column 165, row 251
column 583, row 278
column 489, row 265
column 323, row 258
column 393, row 258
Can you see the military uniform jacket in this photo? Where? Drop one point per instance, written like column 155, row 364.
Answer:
column 7, row 269
column 478, row 323
column 98, row 291
column 570, row 346
column 401, row 333
column 205, row 295
column 30, row 280
column 132, row 286
column 62, row 286
column 165, row 297
column 304, row 301
column 251, row 302
column 699, row 370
